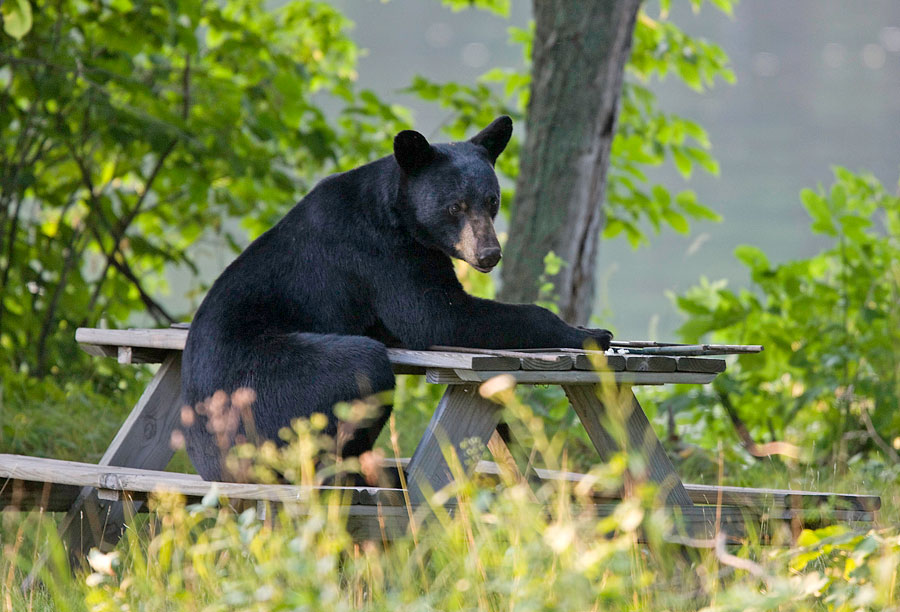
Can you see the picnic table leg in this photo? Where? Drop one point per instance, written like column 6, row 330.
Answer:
column 143, row 441
column 461, row 415
column 640, row 435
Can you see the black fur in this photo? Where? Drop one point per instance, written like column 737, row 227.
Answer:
column 303, row 315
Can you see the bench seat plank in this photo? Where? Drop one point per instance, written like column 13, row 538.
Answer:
column 122, row 479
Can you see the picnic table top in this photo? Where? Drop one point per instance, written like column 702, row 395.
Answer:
column 453, row 365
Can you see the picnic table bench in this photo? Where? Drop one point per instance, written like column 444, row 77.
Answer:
column 98, row 498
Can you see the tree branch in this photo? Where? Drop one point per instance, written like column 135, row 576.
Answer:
column 156, row 310
column 876, row 437
column 757, row 450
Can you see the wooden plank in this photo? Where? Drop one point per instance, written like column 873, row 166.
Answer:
column 571, row 377
column 462, row 415
column 641, row 438
column 647, row 363
column 142, row 441
column 760, row 499
column 444, row 359
column 532, row 359
column 112, row 478
column 783, row 498
column 548, row 362
column 517, row 353
column 615, row 363
column 699, row 364
column 106, row 342
column 171, row 339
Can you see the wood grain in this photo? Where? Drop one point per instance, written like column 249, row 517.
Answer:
column 570, row 377
column 548, row 362
column 700, row 364
column 615, row 363
column 142, row 441
column 444, row 359
column 648, row 363
column 640, row 437
column 112, row 478
column 462, row 415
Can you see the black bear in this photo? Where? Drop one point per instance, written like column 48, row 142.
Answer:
column 303, row 316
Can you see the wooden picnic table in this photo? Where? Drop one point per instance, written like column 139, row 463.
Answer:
column 98, row 498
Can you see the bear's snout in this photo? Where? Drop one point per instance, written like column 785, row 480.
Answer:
column 488, row 257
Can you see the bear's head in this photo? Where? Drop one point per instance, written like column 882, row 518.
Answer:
column 450, row 194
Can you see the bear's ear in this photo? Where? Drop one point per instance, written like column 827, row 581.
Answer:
column 412, row 151
column 494, row 137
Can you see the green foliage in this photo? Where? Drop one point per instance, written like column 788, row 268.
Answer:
column 17, row 18
column 553, row 264
column 503, row 547
column 131, row 130
column 645, row 135
column 500, row 7
column 48, row 420
column 828, row 378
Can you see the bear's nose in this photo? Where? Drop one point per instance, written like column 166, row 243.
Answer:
column 488, row 258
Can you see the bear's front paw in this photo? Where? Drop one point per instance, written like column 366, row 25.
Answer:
column 601, row 336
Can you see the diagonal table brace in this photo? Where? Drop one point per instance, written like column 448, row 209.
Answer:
column 461, row 415
column 640, row 436
column 143, row 441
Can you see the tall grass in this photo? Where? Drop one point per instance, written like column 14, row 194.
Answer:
column 497, row 546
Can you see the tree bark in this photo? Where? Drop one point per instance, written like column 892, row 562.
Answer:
column 580, row 51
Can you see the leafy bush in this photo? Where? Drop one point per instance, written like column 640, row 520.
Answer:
column 828, row 378
column 128, row 132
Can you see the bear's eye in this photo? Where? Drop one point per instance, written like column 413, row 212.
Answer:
column 455, row 208
column 492, row 203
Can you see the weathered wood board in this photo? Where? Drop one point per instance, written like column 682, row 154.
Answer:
column 153, row 345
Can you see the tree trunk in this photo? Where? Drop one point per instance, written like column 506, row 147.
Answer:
column 580, row 51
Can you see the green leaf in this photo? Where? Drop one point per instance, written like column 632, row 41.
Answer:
column 17, row 18
column 752, row 257
column 817, row 207
column 677, row 221
column 687, row 201
column 553, row 263
column 682, row 162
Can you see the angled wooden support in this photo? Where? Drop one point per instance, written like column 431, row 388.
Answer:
column 640, row 436
column 143, row 441
column 461, row 416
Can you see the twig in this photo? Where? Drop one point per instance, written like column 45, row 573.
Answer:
column 757, row 450
column 876, row 438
